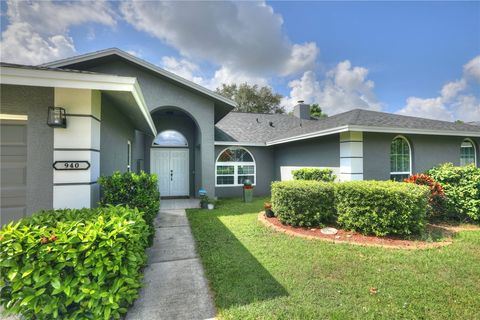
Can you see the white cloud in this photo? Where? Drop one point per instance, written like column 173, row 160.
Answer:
column 182, row 68
column 236, row 36
column 189, row 70
column 452, row 89
column 467, row 108
column 38, row 31
column 432, row 108
column 225, row 75
column 454, row 101
column 344, row 88
column 472, row 69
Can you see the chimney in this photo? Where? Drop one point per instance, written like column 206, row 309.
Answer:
column 302, row 110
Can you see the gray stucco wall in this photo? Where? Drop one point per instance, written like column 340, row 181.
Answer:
column 138, row 152
column 33, row 102
column 115, row 130
column 427, row 151
column 265, row 172
column 317, row 152
column 160, row 92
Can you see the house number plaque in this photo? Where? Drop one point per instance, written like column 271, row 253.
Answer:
column 71, row 165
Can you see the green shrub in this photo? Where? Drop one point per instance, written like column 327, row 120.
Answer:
column 381, row 207
column 303, row 203
column 317, row 174
column 73, row 264
column 462, row 189
column 436, row 201
column 134, row 190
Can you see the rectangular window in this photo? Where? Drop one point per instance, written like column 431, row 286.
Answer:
column 241, row 179
column 234, row 174
column 225, row 180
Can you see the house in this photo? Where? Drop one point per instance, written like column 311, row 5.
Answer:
column 113, row 111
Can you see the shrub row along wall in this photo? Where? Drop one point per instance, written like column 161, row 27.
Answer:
column 303, row 203
column 325, row 175
column 81, row 264
column 462, row 189
column 135, row 190
column 73, row 264
column 369, row 207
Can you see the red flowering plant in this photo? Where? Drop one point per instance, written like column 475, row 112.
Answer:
column 436, row 199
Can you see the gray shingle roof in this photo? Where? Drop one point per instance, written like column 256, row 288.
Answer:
column 244, row 127
column 255, row 127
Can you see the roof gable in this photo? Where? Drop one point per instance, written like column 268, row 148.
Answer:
column 226, row 104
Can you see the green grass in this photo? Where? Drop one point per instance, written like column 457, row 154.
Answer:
column 256, row 273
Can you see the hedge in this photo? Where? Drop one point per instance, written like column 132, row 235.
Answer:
column 462, row 189
column 135, row 190
column 369, row 207
column 436, row 200
column 73, row 264
column 303, row 203
column 317, row 174
column 381, row 207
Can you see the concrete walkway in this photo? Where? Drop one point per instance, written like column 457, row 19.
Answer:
column 175, row 286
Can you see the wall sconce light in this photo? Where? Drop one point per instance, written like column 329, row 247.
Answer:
column 57, row 117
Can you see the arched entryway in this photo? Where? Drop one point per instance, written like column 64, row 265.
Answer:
column 175, row 152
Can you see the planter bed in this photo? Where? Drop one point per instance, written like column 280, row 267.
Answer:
column 355, row 238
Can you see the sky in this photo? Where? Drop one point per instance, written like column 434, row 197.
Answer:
column 410, row 58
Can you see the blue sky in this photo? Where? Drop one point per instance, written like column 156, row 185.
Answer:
column 413, row 58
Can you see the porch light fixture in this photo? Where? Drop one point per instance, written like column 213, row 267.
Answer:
column 57, row 117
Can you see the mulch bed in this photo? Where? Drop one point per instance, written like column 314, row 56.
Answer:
column 356, row 238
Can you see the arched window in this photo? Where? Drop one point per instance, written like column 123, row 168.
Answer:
column 400, row 159
column 170, row 138
column 234, row 165
column 468, row 153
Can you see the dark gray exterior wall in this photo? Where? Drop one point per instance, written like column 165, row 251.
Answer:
column 427, row 151
column 316, row 152
column 161, row 93
column 115, row 130
column 33, row 102
column 265, row 172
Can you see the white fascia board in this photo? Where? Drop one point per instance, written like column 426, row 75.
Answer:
column 145, row 64
column 137, row 94
column 64, row 79
column 236, row 143
column 375, row 129
column 309, row 135
column 73, row 80
column 415, row 131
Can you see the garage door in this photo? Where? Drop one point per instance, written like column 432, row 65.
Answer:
column 13, row 157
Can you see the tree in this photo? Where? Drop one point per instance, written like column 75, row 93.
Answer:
column 316, row 111
column 252, row 98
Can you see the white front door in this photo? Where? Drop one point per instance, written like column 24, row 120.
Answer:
column 171, row 167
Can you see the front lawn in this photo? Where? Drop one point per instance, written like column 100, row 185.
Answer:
column 257, row 273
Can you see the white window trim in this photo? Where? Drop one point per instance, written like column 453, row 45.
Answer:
column 129, row 156
column 410, row 156
column 235, row 169
column 474, row 150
